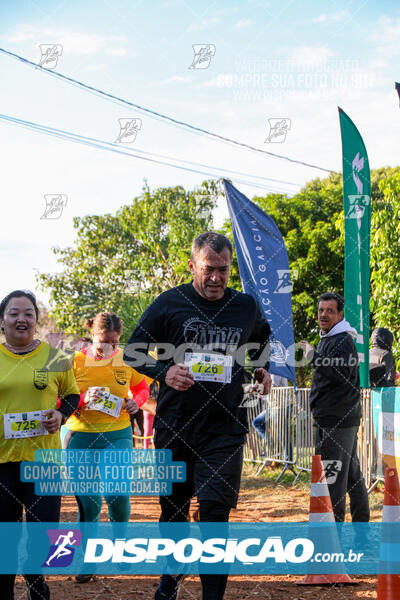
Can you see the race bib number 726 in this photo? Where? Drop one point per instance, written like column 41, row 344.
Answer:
column 209, row 367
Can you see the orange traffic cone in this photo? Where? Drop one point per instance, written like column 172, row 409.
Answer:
column 321, row 511
column 389, row 585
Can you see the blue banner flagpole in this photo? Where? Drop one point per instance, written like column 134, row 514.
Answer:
column 264, row 272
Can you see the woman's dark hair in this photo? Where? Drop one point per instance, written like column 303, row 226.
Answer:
column 333, row 296
column 18, row 294
column 105, row 321
column 383, row 338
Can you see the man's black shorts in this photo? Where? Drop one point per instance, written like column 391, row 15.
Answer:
column 213, row 465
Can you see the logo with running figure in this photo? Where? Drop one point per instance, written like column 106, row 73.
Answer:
column 332, row 469
column 278, row 129
column 128, row 129
column 55, row 204
column 203, row 54
column 62, row 547
column 286, row 277
column 358, row 203
column 50, row 53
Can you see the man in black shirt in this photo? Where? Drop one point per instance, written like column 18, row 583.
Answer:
column 201, row 331
column 336, row 407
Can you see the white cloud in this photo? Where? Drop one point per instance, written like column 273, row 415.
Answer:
column 94, row 68
column 259, row 4
column 22, row 33
column 223, row 80
column 116, row 51
column 332, row 17
column 309, row 56
column 377, row 63
column 387, row 30
column 73, row 42
column 203, row 24
column 243, row 23
column 174, row 79
column 172, row 3
column 386, row 36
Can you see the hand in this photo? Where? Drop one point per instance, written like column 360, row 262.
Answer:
column 53, row 420
column 249, row 388
column 179, row 378
column 308, row 350
column 264, row 378
column 150, row 406
column 94, row 394
column 131, row 406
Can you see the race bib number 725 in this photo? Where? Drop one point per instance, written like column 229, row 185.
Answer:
column 24, row 425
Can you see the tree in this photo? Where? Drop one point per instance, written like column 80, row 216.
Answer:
column 46, row 324
column 385, row 257
column 122, row 262
column 143, row 249
column 132, row 308
column 312, row 226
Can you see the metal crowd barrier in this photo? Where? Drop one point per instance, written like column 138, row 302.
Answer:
column 289, row 434
column 274, row 412
column 304, row 432
column 367, row 446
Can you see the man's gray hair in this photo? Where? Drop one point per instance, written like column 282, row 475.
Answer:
column 215, row 241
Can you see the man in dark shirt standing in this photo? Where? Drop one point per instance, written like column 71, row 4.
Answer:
column 201, row 330
column 336, row 407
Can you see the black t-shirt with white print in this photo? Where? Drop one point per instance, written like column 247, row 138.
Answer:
column 180, row 319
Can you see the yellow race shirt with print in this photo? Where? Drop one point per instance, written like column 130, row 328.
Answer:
column 31, row 382
column 110, row 373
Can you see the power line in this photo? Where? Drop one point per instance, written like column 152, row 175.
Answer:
column 148, row 111
column 112, row 147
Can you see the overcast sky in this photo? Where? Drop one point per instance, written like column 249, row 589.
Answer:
column 282, row 59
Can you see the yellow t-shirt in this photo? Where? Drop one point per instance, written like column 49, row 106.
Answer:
column 111, row 373
column 31, row 382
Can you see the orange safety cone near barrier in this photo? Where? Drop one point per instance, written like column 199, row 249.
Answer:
column 389, row 585
column 321, row 511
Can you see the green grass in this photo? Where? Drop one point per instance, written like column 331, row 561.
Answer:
column 267, row 480
column 268, row 476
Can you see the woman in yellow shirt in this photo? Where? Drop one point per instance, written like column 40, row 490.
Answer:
column 32, row 375
column 100, row 365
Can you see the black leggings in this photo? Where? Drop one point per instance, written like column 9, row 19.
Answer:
column 213, row 586
column 15, row 495
column 213, row 468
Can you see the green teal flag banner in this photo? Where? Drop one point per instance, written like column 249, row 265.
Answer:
column 357, row 226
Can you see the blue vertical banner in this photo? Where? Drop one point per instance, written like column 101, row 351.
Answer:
column 264, row 271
